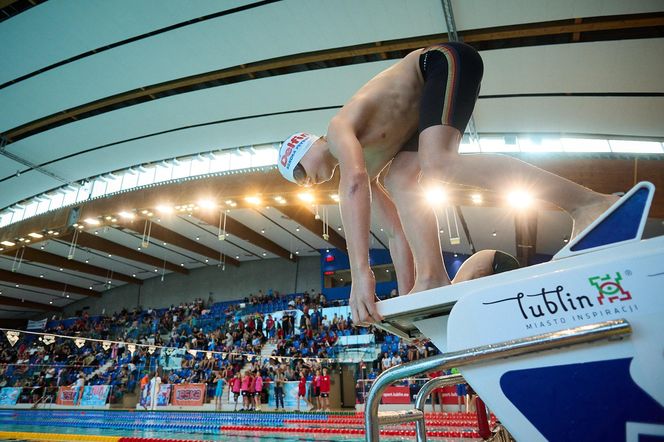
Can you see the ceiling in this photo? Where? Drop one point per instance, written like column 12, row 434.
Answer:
column 89, row 88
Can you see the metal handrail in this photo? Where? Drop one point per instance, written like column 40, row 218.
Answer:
column 613, row 329
column 425, row 391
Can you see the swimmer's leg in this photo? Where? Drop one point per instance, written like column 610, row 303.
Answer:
column 440, row 161
column 418, row 220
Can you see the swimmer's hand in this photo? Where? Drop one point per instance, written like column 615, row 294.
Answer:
column 363, row 298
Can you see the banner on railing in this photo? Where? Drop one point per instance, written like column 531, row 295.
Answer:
column 36, row 325
column 396, row 395
column 9, row 395
column 95, row 395
column 66, row 396
column 188, row 394
column 450, row 395
column 163, row 396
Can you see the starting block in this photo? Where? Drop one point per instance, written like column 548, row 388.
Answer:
column 610, row 389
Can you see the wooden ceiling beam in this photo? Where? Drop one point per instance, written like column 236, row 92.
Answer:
column 21, row 279
column 51, row 259
column 106, row 246
column 236, row 228
column 13, row 302
column 170, row 237
column 306, row 219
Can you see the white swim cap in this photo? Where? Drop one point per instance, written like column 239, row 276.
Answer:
column 291, row 152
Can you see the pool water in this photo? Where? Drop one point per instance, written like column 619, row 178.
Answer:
column 236, row 426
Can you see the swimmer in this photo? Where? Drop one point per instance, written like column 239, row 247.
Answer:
column 485, row 263
column 411, row 117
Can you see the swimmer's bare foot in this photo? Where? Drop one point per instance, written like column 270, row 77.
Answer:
column 421, row 286
column 583, row 216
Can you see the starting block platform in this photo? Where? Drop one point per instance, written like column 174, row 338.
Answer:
column 604, row 389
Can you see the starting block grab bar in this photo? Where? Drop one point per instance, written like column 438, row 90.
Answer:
column 614, row 329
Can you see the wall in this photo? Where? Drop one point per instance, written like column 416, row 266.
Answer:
column 233, row 283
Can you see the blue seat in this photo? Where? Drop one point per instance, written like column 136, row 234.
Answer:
column 388, row 339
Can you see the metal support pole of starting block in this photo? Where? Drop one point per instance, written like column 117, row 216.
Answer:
column 615, row 329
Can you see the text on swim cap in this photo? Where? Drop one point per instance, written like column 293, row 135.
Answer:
column 295, row 139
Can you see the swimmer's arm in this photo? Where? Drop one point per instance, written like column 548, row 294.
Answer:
column 355, row 203
column 385, row 212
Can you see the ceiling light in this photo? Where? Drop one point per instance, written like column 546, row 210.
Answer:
column 436, row 195
column 494, row 233
column 36, row 235
column 519, row 199
column 339, row 228
column 50, row 232
column 164, row 209
column 7, row 243
column 207, row 204
column 109, row 255
column 138, row 248
column 133, row 275
column 108, row 218
column 253, row 200
column 96, row 232
column 41, row 276
column 237, row 256
column 67, row 296
column 144, row 212
column 476, row 198
column 262, row 230
column 56, row 233
column 50, row 302
column 307, row 197
column 126, row 215
column 264, row 254
column 92, row 221
column 207, row 260
column 156, row 270
column 335, row 197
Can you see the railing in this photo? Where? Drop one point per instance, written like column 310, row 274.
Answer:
column 578, row 335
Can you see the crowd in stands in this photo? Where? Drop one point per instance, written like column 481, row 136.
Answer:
column 235, row 332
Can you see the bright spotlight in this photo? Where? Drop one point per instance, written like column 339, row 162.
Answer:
column 126, row 215
column 92, row 221
column 253, row 200
column 519, row 199
column 307, row 197
column 164, row 209
column 436, row 195
column 335, row 197
column 476, row 198
column 207, row 204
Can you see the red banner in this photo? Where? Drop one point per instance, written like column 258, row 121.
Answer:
column 449, row 395
column 66, row 396
column 396, row 395
column 188, row 394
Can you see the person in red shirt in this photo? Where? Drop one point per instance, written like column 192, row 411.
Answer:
column 316, row 389
column 302, row 390
column 325, row 391
column 436, row 394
